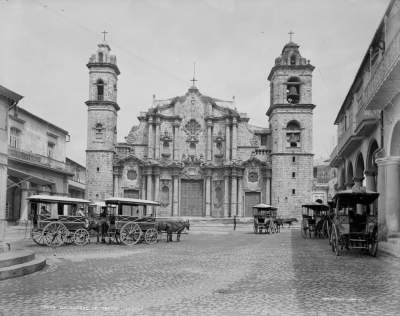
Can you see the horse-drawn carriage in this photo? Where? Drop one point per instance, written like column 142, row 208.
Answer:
column 315, row 220
column 355, row 221
column 130, row 220
column 264, row 219
column 58, row 219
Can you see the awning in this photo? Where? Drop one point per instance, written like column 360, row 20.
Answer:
column 29, row 177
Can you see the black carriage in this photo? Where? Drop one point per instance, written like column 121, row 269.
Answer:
column 315, row 220
column 131, row 220
column 58, row 219
column 264, row 219
column 355, row 221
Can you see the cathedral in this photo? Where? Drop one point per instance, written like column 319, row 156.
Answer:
column 198, row 155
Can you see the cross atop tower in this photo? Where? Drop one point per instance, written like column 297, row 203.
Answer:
column 194, row 75
column 104, row 35
column 291, row 33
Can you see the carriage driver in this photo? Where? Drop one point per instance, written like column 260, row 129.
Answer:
column 81, row 212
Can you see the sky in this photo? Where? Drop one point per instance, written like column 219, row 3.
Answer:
column 46, row 45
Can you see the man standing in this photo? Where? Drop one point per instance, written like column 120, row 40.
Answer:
column 234, row 222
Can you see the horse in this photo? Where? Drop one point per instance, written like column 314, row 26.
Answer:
column 99, row 226
column 289, row 221
column 173, row 226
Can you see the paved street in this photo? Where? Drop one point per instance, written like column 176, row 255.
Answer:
column 218, row 272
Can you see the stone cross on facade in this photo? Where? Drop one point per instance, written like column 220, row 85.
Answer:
column 194, row 74
column 104, row 35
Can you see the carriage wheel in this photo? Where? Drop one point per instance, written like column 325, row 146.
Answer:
column 335, row 241
column 373, row 245
column 37, row 237
column 55, row 234
column 130, row 234
column 81, row 237
column 303, row 229
column 150, row 236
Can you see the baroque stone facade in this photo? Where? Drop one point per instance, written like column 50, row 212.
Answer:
column 198, row 155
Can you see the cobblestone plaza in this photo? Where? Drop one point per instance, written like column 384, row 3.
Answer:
column 212, row 271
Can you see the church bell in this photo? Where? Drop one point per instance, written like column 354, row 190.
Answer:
column 293, row 94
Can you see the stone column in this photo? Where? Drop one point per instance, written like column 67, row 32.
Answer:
column 268, row 191
column 149, row 191
column 370, row 180
column 175, row 141
column 150, row 145
column 175, row 206
column 157, row 145
column 227, row 140
column 3, row 196
column 25, row 187
column 208, row 194
column 156, row 185
column 226, row 194
column 240, row 197
column 209, row 140
column 382, row 227
column 234, row 138
column 392, row 203
column 234, row 195
column 143, row 187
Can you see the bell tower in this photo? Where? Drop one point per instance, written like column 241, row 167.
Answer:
column 102, row 122
column 290, row 119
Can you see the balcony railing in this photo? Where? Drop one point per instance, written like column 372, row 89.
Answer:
column 390, row 58
column 39, row 159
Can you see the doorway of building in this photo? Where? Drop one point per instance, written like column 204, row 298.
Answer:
column 251, row 199
column 191, row 198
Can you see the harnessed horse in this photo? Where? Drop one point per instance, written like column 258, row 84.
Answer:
column 171, row 227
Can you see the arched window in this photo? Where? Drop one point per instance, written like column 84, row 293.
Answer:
column 293, row 134
column 293, row 90
column 100, row 90
column 100, row 57
column 15, row 134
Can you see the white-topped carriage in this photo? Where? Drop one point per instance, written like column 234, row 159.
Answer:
column 58, row 219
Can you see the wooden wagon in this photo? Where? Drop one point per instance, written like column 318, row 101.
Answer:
column 58, row 219
column 132, row 220
column 264, row 219
column 355, row 223
column 315, row 220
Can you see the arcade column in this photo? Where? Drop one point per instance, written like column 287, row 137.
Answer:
column 226, row 194
column 151, row 139
column 175, row 206
column 227, row 140
column 234, row 138
column 157, row 149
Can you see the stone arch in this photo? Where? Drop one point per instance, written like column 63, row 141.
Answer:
column 395, row 140
column 359, row 168
column 349, row 174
